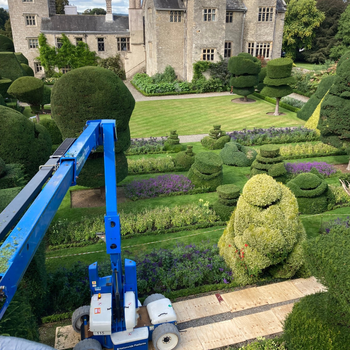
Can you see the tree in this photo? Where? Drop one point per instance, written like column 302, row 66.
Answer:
column 74, row 56
column 4, row 16
column 245, row 69
column 325, row 34
column 29, row 90
column 302, row 18
column 95, row 11
column 60, row 6
column 278, row 79
column 334, row 122
column 343, row 35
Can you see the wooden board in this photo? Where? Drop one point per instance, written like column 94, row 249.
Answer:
column 281, row 312
column 278, row 292
column 244, row 299
column 219, row 334
column 180, row 309
column 66, row 338
column 308, row 286
column 200, row 307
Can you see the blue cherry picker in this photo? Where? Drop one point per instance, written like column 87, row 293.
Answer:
column 115, row 318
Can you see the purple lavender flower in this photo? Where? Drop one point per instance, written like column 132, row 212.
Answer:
column 305, row 167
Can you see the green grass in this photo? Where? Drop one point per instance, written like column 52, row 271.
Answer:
column 198, row 115
column 311, row 66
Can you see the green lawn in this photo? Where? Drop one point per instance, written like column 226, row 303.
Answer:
column 198, row 115
column 311, row 66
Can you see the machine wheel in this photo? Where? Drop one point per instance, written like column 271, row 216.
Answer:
column 77, row 317
column 153, row 297
column 88, row 344
column 165, row 337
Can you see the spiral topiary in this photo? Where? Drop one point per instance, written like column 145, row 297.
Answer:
column 235, row 154
column 312, row 193
column 185, row 159
column 216, row 139
column 228, row 197
column 264, row 235
column 173, row 143
column 269, row 162
column 206, row 171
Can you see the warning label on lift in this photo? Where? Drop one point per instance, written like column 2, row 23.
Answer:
column 131, row 346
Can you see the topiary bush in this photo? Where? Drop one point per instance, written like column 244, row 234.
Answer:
column 173, row 143
column 22, row 141
column 4, row 85
column 46, row 97
column 206, row 171
column 27, row 70
column 321, row 321
column 13, row 176
column 235, row 154
column 185, row 159
column 2, row 101
column 264, row 235
column 6, row 196
column 21, row 58
column 216, row 139
column 245, row 69
column 269, row 162
column 10, row 68
column 262, row 76
column 2, row 168
column 228, row 197
column 90, row 93
column 312, row 193
column 6, row 44
column 54, row 131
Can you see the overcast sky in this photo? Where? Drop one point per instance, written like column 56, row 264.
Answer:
column 118, row 6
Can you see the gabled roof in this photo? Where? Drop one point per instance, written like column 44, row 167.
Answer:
column 169, row 5
column 281, row 6
column 84, row 24
column 235, row 5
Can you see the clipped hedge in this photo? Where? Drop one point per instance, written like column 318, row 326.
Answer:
column 27, row 89
column 185, row 159
column 54, row 131
column 27, row 70
column 4, row 85
column 206, row 171
column 173, row 143
column 282, row 104
column 264, row 235
column 217, row 138
column 279, row 68
column 13, row 176
column 237, row 155
column 21, row 58
column 227, row 200
column 2, row 168
column 10, row 68
column 6, row 44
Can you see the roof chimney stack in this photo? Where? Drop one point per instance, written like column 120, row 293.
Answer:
column 109, row 14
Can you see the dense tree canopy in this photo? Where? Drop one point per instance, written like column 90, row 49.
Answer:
column 302, row 18
column 60, row 6
column 324, row 38
column 74, row 56
column 5, row 24
column 95, row 11
column 343, row 35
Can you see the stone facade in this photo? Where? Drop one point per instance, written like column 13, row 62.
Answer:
column 158, row 33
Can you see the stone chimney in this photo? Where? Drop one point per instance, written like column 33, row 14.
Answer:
column 109, row 14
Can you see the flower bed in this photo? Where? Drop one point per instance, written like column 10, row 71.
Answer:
column 322, row 167
column 146, row 146
column 308, row 150
column 327, row 226
column 151, row 165
column 163, row 184
column 258, row 136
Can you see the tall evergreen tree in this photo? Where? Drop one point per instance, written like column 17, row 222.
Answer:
column 325, row 34
column 343, row 35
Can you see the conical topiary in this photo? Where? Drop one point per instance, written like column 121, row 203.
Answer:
column 228, row 197
column 264, row 235
column 312, row 193
column 216, row 139
column 269, row 162
column 206, row 171
column 173, row 143
column 185, row 159
column 235, row 154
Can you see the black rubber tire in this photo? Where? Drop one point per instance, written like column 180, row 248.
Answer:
column 153, row 297
column 88, row 344
column 163, row 334
column 77, row 316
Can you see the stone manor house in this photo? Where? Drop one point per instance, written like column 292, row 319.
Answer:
column 157, row 33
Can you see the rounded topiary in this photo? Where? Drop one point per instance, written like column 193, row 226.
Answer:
column 2, row 167
column 262, row 76
column 29, row 71
column 173, row 143
column 312, row 193
column 264, row 235
column 228, row 197
column 206, row 171
column 4, row 85
column 21, row 58
column 269, row 162
column 54, row 131
column 22, row 141
column 185, row 159
column 279, row 68
column 27, row 89
column 10, row 68
column 217, row 138
column 235, row 154
column 91, row 93
column 6, row 44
